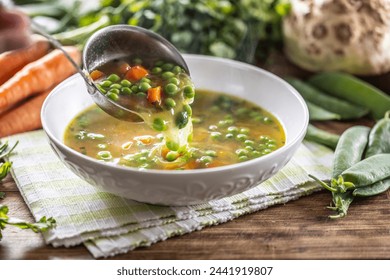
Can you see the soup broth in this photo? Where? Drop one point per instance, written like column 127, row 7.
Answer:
column 226, row 130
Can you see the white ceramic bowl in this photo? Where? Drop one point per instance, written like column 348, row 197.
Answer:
column 188, row 186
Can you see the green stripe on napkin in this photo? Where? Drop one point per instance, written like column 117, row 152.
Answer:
column 109, row 225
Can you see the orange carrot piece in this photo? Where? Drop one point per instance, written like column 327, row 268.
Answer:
column 12, row 61
column 96, row 74
column 154, row 95
column 38, row 76
column 136, row 73
column 25, row 117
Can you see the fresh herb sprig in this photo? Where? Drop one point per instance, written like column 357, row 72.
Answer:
column 42, row 225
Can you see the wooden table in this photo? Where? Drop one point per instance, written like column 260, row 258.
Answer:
column 297, row 230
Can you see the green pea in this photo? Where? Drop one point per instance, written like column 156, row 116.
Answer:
column 156, row 70
column 172, row 155
column 271, row 146
column 249, row 148
column 117, row 86
column 241, row 137
column 141, row 94
column 125, row 83
column 211, row 153
column 243, row 158
column 134, row 88
column 255, row 154
column 144, row 86
column 229, row 136
column 159, row 63
column 126, row 90
column 241, row 152
column 249, row 142
column 113, row 78
column 215, row 135
column 182, row 119
column 170, row 89
column 106, row 83
column 145, row 80
column 167, row 66
column 232, row 129
column 166, row 75
column 263, row 139
column 266, row 151
column 170, row 103
column 188, row 109
column 114, row 90
column 176, row 69
column 213, row 127
column 105, row 155
column 159, row 124
column 174, row 80
column 172, row 145
column 101, row 89
column 206, row 159
column 112, row 95
column 189, row 92
column 267, row 120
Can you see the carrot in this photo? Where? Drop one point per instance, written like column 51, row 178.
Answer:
column 12, row 61
column 25, row 117
column 136, row 72
column 154, row 95
column 37, row 76
column 96, row 74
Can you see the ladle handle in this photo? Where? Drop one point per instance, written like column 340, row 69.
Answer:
column 56, row 44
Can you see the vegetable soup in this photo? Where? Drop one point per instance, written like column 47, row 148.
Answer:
column 226, row 130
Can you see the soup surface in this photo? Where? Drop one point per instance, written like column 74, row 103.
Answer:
column 226, row 130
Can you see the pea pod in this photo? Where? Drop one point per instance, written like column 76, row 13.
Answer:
column 356, row 91
column 329, row 103
column 316, row 113
column 374, row 189
column 350, row 149
column 379, row 138
column 321, row 136
column 368, row 171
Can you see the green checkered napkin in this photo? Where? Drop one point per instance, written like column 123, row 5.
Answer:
column 108, row 225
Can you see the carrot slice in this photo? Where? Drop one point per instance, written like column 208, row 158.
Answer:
column 96, row 74
column 136, row 73
column 154, row 95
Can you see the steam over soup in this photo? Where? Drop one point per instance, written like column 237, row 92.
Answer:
column 226, row 130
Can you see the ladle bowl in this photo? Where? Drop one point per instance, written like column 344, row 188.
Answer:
column 118, row 42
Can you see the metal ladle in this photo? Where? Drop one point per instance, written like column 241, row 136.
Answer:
column 120, row 42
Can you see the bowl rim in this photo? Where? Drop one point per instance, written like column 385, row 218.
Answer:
column 275, row 153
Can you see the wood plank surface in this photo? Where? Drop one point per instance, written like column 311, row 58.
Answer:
column 297, row 230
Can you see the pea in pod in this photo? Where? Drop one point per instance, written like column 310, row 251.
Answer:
column 316, row 113
column 374, row 189
column 379, row 138
column 350, row 149
column 321, row 136
column 356, row 91
column 329, row 103
column 368, row 171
